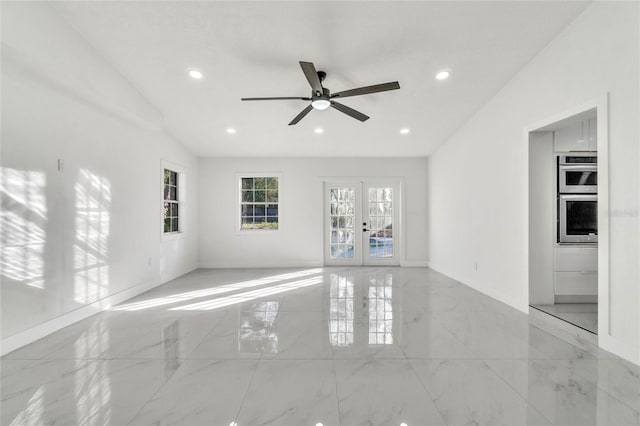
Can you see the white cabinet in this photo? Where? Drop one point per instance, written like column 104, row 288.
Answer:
column 580, row 136
column 583, row 283
column 576, row 271
column 579, row 259
column 593, row 133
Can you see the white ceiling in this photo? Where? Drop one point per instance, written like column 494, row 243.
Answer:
column 251, row 49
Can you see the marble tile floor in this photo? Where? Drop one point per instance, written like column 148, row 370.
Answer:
column 583, row 315
column 330, row 346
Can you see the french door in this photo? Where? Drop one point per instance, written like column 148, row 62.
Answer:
column 361, row 224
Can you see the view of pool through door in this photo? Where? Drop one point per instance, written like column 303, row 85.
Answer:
column 361, row 223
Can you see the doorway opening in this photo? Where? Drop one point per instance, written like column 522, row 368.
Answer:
column 567, row 246
column 362, row 223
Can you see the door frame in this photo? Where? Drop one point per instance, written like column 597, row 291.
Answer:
column 398, row 244
column 601, row 105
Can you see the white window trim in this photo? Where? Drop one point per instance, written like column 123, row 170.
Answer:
column 182, row 200
column 238, row 216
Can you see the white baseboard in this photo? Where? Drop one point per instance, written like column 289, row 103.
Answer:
column 253, row 265
column 170, row 277
column 23, row 338
column 522, row 307
column 294, row 264
column 414, row 264
column 430, row 265
column 608, row 343
column 620, row 348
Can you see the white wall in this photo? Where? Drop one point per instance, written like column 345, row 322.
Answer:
column 541, row 218
column 77, row 239
column 477, row 179
column 300, row 238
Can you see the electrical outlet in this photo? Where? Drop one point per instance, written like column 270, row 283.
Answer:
column 475, row 266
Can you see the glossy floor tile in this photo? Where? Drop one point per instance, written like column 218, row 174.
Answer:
column 583, row 315
column 329, row 346
column 383, row 392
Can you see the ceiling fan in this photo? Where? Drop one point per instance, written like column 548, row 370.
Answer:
column 322, row 98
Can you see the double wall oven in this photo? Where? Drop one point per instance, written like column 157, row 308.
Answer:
column 577, row 198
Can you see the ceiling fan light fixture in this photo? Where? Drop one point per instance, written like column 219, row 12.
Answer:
column 320, row 104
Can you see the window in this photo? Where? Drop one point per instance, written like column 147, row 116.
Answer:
column 171, row 203
column 259, row 202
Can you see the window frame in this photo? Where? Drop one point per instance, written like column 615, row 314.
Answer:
column 172, row 201
column 239, row 203
column 181, row 186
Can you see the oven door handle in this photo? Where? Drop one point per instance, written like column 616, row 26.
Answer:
column 578, row 197
column 579, row 167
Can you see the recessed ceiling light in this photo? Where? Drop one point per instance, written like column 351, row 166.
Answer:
column 231, row 131
column 405, row 131
column 195, row 74
column 319, row 130
column 443, row 75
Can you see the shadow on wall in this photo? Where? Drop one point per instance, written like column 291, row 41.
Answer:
column 30, row 257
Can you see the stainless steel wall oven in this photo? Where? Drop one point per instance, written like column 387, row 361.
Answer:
column 577, row 198
column 577, row 174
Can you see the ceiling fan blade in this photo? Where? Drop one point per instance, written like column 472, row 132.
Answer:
column 349, row 111
column 274, row 99
column 301, row 115
column 367, row 89
column 310, row 72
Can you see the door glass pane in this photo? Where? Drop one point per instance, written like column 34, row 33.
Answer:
column 342, row 231
column 582, row 218
column 380, row 222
